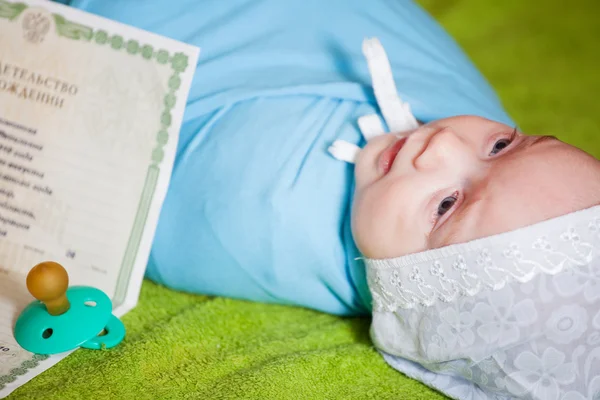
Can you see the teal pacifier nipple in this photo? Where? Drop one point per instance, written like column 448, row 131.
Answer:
column 64, row 318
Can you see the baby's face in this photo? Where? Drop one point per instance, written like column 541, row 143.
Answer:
column 463, row 178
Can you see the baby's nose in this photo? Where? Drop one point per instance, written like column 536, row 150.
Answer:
column 445, row 149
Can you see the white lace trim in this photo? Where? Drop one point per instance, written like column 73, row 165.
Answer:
column 445, row 274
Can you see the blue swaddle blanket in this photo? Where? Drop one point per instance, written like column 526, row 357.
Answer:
column 257, row 209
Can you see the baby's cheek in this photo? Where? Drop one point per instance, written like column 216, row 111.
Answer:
column 381, row 224
column 368, row 224
column 361, row 223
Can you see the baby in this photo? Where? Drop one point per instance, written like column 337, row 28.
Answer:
column 482, row 249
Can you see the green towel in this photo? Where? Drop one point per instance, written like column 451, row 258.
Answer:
column 540, row 56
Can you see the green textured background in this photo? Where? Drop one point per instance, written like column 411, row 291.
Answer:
column 541, row 57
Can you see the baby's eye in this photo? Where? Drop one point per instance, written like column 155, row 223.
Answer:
column 446, row 205
column 500, row 145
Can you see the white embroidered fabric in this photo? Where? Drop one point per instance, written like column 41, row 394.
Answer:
column 515, row 315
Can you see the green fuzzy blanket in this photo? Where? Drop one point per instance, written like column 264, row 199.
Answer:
column 542, row 58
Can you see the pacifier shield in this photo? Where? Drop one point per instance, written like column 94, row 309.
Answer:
column 41, row 333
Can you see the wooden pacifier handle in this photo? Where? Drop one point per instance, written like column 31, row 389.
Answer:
column 48, row 282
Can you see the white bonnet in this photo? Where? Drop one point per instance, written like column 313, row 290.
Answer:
column 511, row 315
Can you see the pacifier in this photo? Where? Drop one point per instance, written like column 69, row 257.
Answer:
column 396, row 113
column 64, row 318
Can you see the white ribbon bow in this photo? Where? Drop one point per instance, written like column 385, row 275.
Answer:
column 397, row 114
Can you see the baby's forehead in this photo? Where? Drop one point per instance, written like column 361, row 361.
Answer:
column 531, row 185
column 534, row 163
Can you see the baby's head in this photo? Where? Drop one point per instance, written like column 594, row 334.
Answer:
column 463, row 178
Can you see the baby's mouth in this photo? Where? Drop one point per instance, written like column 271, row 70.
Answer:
column 387, row 157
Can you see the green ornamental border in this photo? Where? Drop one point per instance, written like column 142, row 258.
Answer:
column 179, row 63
